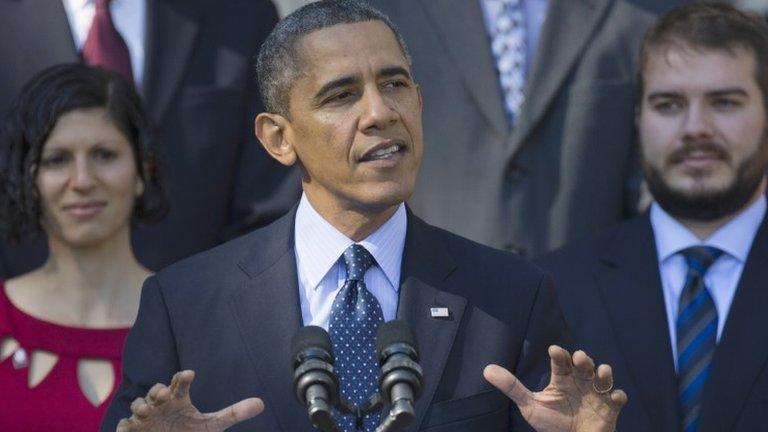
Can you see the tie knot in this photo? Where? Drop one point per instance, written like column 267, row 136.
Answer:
column 699, row 258
column 102, row 4
column 357, row 260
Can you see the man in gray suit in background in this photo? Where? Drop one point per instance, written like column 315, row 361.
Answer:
column 528, row 115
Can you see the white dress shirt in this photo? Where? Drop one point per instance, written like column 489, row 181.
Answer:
column 722, row 278
column 319, row 247
column 129, row 17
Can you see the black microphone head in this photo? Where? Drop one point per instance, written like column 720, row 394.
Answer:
column 395, row 335
column 311, row 342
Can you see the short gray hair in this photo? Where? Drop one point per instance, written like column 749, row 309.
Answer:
column 277, row 66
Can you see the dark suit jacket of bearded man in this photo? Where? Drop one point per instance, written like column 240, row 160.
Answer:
column 610, row 289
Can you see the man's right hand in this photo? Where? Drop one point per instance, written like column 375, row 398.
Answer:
column 169, row 409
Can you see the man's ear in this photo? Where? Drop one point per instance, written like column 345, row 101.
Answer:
column 271, row 130
column 421, row 100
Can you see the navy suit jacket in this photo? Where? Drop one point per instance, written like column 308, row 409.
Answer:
column 229, row 314
column 610, row 289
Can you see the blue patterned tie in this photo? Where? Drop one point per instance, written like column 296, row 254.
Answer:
column 509, row 48
column 696, row 334
column 355, row 319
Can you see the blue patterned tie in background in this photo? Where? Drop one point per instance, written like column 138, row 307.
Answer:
column 696, row 334
column 509, row 48
column 355, row 319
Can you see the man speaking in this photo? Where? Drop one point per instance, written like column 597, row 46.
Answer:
column 336, row 80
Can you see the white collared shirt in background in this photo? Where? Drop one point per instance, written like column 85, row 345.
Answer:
column 321, row 271
column 722, row 278
column 129, row 17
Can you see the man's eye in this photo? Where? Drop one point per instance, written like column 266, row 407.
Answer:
column 340, row 97
column 667, row 106
column 395, row 83
column 726, row 103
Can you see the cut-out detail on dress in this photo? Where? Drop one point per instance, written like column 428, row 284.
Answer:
column 8, row 346
column 40, row 366
column 96, row 378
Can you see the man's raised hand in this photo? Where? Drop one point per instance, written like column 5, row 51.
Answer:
column 169, row 409
column 577, row 399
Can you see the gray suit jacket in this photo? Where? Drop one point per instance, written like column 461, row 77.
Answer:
column 568, row 166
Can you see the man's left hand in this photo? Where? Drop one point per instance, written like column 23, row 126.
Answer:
column 577, row 399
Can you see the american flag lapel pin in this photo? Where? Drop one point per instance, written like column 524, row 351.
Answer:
column 439, row 312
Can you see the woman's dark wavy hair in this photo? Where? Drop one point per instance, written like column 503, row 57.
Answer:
column 46, row 97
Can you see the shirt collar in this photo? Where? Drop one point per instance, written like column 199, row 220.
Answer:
column 319, row 244
column 77, row 5
column 734, row 238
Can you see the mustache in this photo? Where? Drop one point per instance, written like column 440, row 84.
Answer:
column 698, row 146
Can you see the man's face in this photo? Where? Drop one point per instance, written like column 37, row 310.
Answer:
column 702, row 125
column 355, row 118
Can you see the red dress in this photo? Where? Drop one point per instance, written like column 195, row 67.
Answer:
column 56, row 403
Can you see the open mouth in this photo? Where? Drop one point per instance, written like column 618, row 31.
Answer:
column 383, row 152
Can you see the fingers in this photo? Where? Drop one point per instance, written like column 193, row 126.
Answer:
column 241, row 411
column 152, row 394
column 123, row 425
column 503, row 380
column 560, row 360
column 604, row 379
column 157, row 395
column 140, row 408
column 584, row 367
column 619, row 398
column 181, row 382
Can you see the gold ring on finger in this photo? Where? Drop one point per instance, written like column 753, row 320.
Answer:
column 603, row 391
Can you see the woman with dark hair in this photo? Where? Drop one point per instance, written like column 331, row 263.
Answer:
column 77, row 164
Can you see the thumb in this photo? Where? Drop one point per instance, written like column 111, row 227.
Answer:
column 238, row 412
column 503, row 380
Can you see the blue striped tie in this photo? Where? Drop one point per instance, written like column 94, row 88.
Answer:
column 696, row 334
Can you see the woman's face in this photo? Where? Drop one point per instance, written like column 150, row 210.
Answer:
column 87, row 179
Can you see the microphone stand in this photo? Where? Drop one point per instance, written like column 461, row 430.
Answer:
column 400, row 415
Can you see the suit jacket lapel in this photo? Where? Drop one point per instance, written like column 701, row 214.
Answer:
column 630, row 284
column 566, row 31
column 739, row 357
column 425, row 266
column 172, row 28
column 58, row 45
column 265, row 332
column 461, row 27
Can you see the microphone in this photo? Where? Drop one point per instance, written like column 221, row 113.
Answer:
column 401, row 375
column 314, row 379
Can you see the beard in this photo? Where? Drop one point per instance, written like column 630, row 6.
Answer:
column 709, row 205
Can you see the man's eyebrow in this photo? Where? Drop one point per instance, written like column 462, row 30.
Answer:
column 392, row 71
column 730, row 91
column 664, row 95
column 332, row 85
column 733, row 91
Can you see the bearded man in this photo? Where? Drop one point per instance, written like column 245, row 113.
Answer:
column 680, row 291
